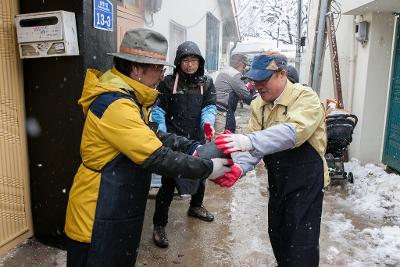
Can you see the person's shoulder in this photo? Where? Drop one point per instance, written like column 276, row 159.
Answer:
column 168, row 78
column 207, row 80
column 306, row 93
column 302, row 89
column 167, row 82
column 231, row 71
column 207, row 77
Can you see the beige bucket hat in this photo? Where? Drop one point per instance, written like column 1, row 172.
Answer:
column 144, row 46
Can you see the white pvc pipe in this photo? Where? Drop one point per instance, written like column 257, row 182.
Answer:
column 352, row 70
column 316, row 79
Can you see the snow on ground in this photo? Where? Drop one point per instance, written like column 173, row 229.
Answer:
column 375, row 193
column 360, row 224
column 363, row 222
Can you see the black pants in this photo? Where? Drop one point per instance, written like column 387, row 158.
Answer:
column 295, row 179
column 230, row 123
column 164, row 198
column 77, row 253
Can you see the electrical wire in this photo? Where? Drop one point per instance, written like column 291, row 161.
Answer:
column 201, row 19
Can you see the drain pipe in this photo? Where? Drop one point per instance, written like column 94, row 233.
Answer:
column 352, row 70
column 317, row 72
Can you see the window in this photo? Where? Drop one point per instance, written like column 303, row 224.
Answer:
column 212, row 45
column 177, row 35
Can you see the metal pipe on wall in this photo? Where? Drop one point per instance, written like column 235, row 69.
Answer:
column 352, row 70
column 299, row 17
column 316, row 77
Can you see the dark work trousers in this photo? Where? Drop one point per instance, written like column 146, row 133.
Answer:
column 230, row 123
column 164, row 199
column 296, row 179
column 77, row 253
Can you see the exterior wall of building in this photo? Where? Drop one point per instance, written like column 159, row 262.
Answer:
column 365, row 73
column 191, row 15
column 128, row 17
column 371, row 87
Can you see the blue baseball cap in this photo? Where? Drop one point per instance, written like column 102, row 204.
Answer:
column 265, row 65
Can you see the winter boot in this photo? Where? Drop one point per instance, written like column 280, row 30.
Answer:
column 201, row 213
column 160, row 237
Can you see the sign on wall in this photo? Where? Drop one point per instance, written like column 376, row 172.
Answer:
column 103, row 15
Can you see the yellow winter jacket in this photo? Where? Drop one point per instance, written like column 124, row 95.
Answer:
column 300, row 106
column 120, row 130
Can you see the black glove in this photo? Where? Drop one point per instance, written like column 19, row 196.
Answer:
column 210, row 151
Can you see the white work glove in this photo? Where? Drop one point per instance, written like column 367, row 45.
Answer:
column 220, row 167
column 230, row 143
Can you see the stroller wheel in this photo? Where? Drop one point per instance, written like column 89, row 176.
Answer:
column 350, row 177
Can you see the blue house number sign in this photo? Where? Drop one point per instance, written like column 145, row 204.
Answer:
column 103, row 15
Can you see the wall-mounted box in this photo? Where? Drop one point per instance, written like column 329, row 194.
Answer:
column 361, row 31
column 47, row 34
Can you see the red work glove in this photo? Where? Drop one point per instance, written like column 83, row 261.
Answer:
column 233, row 143
column 231, row 177
column 250, row 86
column 208, row 130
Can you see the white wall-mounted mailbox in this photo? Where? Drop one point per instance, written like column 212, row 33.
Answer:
column 47, row 34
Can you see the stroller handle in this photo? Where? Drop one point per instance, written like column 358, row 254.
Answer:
column 343, row 116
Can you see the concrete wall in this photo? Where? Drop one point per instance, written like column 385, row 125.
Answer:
column 191, row 15
column 365, row 72
column 371, row 87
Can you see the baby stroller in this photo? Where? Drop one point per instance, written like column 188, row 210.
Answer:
column 340, row 128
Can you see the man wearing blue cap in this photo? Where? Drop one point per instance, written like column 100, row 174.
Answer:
column 288, row 132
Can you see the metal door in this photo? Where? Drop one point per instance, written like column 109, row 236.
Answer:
column 15, row 211
column 391, row 150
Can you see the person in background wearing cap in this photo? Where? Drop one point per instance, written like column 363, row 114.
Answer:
column 231, row 89
column 288, row 132
column 187, row 108
column 119, row 151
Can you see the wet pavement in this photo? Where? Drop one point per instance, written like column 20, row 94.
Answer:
column 237, row 237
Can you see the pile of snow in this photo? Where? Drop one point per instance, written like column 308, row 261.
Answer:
column 364, row 227
column 375, row 193
column 360, row 247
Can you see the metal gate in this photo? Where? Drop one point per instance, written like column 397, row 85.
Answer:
column 391, row 150
column 15, row 212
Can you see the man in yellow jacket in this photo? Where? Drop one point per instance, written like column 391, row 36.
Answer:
column 119, row 151
column 288, row 132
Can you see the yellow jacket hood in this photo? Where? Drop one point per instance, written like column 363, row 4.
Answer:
column 97, row 83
